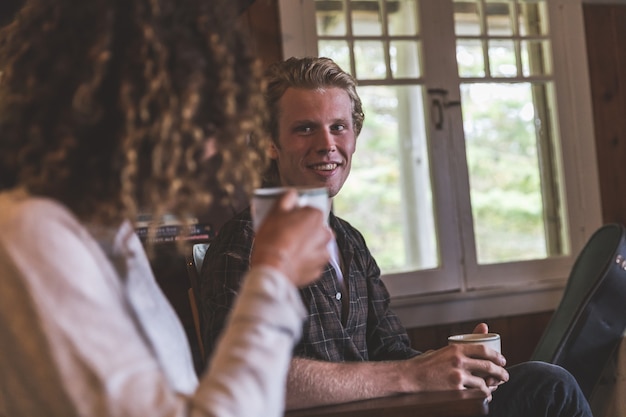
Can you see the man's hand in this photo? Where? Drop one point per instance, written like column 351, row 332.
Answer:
column 481, row 328
column 492, row 383
column 456, row 367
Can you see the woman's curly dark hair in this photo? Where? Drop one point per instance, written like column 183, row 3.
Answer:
column 107, row 105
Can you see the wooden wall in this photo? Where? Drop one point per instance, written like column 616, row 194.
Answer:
column 520, row 334
column 605, row 28
column 261, row 22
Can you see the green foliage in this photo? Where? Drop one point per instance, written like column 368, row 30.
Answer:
column 505, row 184
column 502, row 159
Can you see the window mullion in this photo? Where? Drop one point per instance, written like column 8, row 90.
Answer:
column 297, row 25
column 440, row 74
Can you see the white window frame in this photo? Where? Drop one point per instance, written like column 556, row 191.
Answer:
column 445, row 295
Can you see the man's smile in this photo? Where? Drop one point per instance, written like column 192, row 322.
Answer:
column 325, row 166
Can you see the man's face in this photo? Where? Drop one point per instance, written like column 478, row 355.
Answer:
column 316, row 138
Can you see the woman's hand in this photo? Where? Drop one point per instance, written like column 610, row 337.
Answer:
column 293, row 240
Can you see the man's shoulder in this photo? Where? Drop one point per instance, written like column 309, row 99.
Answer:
column 240, row 221
column 236, row 231
column 349, row 239
column 234, row 239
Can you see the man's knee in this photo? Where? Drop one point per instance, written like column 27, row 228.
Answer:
column 542, row 373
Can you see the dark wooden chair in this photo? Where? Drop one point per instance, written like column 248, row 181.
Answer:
column 194, row 264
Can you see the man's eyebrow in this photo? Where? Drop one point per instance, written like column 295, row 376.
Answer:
column 300, row 122
column 338, row 120
column 343, row 121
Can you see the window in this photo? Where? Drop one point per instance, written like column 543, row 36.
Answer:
column 475, row 167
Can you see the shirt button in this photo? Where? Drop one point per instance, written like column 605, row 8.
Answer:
column 338, row 296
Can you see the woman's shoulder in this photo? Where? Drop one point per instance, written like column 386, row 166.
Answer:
column 25, row 215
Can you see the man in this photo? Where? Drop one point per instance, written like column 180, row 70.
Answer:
column 353, row 346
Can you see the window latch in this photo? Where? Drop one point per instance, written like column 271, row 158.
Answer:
column 439, row 102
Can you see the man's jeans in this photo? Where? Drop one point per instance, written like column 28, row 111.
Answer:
column 538, row 389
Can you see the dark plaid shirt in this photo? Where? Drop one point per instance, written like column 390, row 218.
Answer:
column 371, row 331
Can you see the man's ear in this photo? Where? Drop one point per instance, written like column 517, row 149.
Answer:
column 272, row 151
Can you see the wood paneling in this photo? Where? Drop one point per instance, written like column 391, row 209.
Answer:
column 261, row 21
column 605, row 29
column 520, row 334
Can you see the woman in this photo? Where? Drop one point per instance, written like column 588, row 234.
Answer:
column 107, row 106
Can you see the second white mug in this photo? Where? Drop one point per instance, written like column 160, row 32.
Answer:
column 491, row 340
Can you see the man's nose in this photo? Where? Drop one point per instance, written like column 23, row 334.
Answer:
column 325, row 142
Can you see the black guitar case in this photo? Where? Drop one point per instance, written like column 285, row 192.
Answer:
column 588, row 324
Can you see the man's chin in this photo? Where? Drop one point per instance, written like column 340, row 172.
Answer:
column 328, row 183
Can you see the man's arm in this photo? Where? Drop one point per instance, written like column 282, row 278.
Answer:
column 314, row 383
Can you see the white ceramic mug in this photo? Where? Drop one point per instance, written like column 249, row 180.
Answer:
column 264, row 199
column 491, row 340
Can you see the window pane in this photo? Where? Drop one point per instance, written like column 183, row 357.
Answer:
column 533, row 18
column 330, row 18
column 502, row 62
column 470, row 58
column 338, row 51
column 405, row 62
column 499, row 21
column 536, row 58
column 508, row 202
column 388, row 195
column 402, row 17
column 466, row 19
column 369, row 59
column 366, row 18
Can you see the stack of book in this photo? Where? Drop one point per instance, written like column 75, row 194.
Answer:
column 169, row 229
